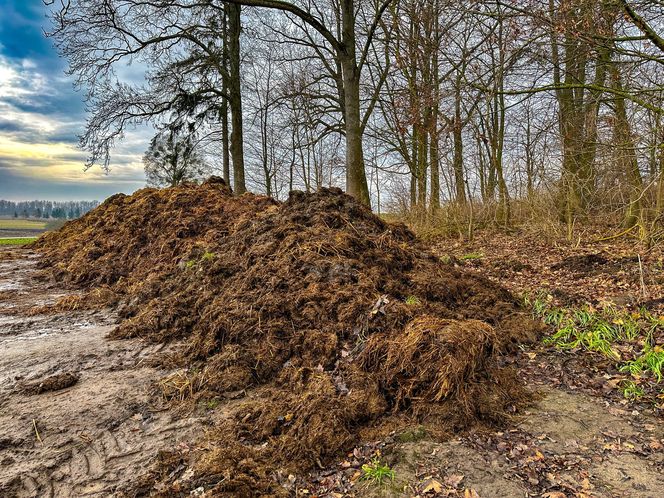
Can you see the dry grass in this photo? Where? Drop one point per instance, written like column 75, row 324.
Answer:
column 183, row 384
column 538, row 215
column 96, row 298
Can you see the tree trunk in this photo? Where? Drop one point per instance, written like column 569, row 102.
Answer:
column 435, row 166
column 579, row 107
column 457, row 163
column 660, row 181
column 433, row 139
column 626, row 155
column 235, row 97
column 356, row 178
column 530, row 167
column 413, row 167
column 504, row 212
column 225, row 152
column 265, row 152
column 422, row 170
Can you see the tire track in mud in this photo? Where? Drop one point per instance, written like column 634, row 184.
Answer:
column 89, row 439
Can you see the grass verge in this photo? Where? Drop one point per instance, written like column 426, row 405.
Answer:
column 22, row 224
column 17, row 241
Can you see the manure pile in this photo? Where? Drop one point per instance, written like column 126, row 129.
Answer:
column 334, row 320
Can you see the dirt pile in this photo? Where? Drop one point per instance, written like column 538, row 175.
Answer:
column 334, row 318
column 130, row 238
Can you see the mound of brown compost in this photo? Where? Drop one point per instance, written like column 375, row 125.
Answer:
column 332, row 318
column 131, row 238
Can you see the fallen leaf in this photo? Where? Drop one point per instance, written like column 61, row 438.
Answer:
column 470, row 493
column 454, row 480
column 433, row 486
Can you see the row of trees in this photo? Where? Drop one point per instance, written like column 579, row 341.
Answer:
column 46, row 209
column 417, row 101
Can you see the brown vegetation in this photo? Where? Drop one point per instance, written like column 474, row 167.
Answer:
column 334, row 317
column 52, row 383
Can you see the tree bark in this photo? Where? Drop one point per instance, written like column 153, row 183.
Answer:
column 356, row 178
column 235, row 97
column 626, row 155
column 423, row 147
column 434, row 203
column 225, row 151
column 413, row 167
column 578, row 107
column 457, row 162
column 435, row 166
column 659, row 214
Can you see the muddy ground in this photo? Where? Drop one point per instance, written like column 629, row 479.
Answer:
column 98, row 435
column 89, row 439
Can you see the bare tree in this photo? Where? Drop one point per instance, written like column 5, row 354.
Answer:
column 340, row 39
column 191, row 55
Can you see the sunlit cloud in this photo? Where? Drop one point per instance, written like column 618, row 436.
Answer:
column 40, row 118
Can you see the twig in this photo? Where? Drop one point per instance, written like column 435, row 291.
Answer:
column 644, row 290
column 617, row 235
column 34, row 424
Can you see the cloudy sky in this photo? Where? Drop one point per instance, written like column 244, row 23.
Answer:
column 41, row 117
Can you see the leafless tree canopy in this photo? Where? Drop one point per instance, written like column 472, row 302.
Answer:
column 415, row 103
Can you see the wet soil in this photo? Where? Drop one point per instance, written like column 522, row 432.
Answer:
column 90, row 438
column 569, row 445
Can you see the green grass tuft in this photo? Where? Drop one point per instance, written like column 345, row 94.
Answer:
column 651, row 361
column 631, row 390
column 625, row 337
column 377, row 472
column 17, row 241
column 413, row 301
column 210, row 404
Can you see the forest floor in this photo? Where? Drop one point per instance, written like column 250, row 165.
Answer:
column 81, row 415
column 586, row 436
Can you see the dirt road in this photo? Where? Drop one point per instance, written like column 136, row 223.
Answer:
column 90, row 439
